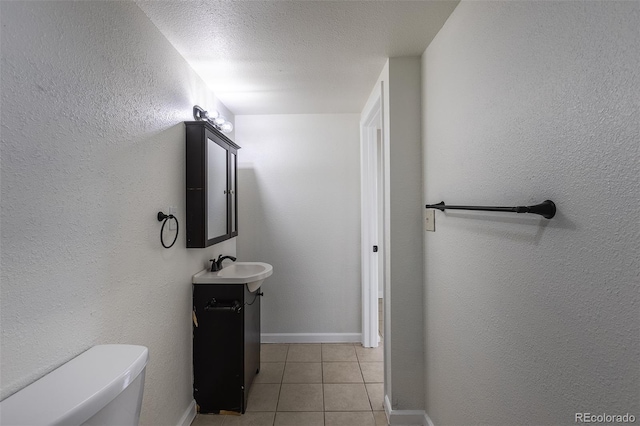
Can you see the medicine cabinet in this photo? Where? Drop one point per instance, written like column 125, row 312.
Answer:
column 212, row 201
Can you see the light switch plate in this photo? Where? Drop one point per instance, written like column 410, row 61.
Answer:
column 430, row 223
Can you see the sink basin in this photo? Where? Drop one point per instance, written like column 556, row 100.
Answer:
column 250, row 273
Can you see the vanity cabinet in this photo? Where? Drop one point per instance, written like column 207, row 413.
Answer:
column 226, row 345
column 212, row 202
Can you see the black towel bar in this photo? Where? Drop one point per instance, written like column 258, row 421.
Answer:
column 546, row 209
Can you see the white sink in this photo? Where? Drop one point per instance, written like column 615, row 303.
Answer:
column 250, row 273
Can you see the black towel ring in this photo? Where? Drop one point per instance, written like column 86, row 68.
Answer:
column 166, row 217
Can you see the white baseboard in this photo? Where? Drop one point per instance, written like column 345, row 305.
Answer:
column 189, row 415
column 428, row 420
column 311, row 337
column 406, row 417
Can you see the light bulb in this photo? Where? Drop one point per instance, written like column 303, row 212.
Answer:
column 213, row 115
column 219, row 120
column 226, row 127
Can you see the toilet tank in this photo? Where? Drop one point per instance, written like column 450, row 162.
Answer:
column 102, row 386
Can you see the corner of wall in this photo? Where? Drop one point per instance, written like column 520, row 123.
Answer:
column 403, row 199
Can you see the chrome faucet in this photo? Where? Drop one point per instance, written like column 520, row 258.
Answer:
column 216, row 265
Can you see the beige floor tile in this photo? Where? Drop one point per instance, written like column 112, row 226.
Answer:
column 263, row 397
column 381, row 418
column 376, row 395
column 304, row 353
column 346, row 397
column 303, row 372
column 250, row 419
column 287, row 418
column 270, row 372
column 359, row 418
column 208, row 420
column 373, row 372
column 370, row 354
column 300, row 397
column 338, row 352
column 341, row 372
column 273, row 352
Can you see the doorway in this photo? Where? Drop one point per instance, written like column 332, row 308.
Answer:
column 372, row 211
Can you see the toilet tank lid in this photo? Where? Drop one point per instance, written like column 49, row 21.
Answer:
column 78, row 389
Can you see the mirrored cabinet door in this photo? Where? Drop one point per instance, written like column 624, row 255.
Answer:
column 217, row 192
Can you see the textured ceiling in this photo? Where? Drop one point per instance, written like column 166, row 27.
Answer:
column 288, row 57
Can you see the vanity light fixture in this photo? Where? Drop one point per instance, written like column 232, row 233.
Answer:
column 213, row 117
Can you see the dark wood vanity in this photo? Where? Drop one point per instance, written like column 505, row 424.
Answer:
column 226, row 345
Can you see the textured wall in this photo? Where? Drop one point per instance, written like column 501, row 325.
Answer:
column 299, row 177
column 529, row 321
column 92, row 148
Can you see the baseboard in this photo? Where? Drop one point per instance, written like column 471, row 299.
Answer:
column 189, row 415
column 428, row 420
column 311, row 337
column 406, row 417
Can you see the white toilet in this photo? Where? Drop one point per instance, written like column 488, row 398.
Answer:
column 102, row 386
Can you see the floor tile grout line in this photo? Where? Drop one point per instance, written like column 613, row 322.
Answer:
column 280, row 385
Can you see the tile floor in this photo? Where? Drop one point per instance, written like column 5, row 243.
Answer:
column 313, row 384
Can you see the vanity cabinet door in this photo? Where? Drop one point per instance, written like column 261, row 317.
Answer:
column 218, row 376
column 226, row 345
